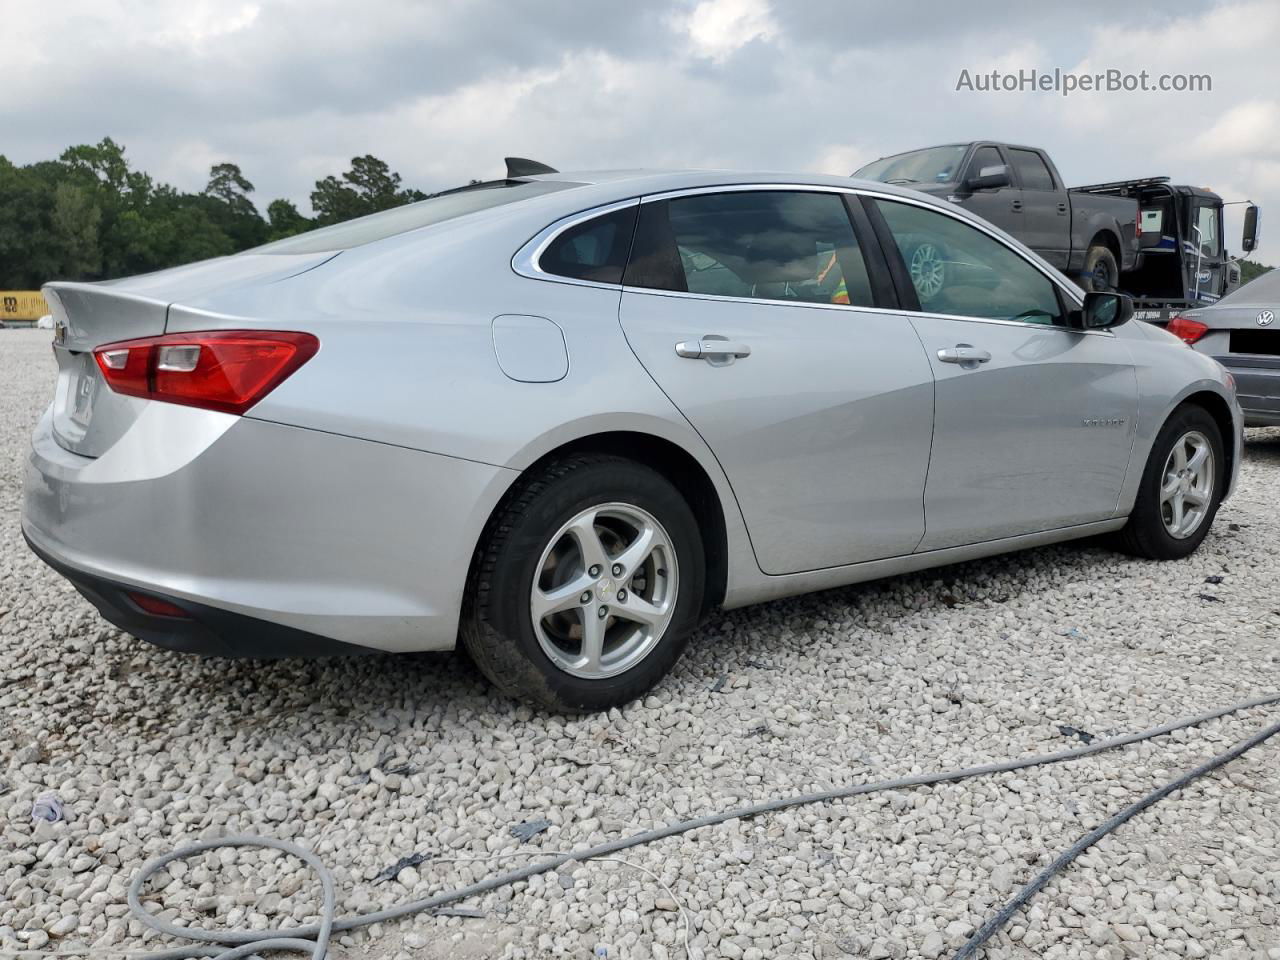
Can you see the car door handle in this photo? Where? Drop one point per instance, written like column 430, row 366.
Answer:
column 964, row 354
column 1015, row 205
column 1062, row 208
column 711, row 347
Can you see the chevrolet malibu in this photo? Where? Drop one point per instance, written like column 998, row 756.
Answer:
column 557, row 418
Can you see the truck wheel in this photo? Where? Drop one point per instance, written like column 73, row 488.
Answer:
column 928, row 268
column 1101, row 272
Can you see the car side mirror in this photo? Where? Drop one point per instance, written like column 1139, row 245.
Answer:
column 989, row 178
column 1250, row 239
column 1102, row 311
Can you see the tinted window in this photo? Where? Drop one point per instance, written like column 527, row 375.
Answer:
column 593, row 250
column 444, row 206
column 773, row 245
column 985, row 157
column 957, row 269
column 1032, row 170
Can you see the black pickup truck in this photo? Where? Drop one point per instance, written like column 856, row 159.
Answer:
column 1091, row 237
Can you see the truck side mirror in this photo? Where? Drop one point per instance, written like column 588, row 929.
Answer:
column 989, row 178
column 1250, row 239
column 1102, row 311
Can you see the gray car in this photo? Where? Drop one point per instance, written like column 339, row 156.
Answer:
column 1240, row 331
column 561, row 417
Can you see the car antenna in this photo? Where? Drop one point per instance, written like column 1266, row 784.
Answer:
column 520, row 167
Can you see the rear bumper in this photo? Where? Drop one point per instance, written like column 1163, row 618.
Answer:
column 1257, row 387
column 279, row 540
column 206, row 630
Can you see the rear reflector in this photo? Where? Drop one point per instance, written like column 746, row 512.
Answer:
column 158, row 607
column 226, row 370
column 1186, row 330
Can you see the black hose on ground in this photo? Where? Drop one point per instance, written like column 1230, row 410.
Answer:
column 993, row 926
column 314, row 938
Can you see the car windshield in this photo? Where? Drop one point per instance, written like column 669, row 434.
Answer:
column 443, row 206
column 934, row 165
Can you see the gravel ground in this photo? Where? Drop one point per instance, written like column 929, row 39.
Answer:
column 371, row 760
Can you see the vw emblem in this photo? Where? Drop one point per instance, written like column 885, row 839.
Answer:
column 1265, row 318
column 60, row 332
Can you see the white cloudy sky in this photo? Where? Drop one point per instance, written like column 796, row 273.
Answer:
column 442, row 90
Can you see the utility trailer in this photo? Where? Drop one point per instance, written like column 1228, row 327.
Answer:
column 1184, row 262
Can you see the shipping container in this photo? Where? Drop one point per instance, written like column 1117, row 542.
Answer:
column 21, row 307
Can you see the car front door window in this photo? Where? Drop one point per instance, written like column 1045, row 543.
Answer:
column 984, row 158
column 958, row 270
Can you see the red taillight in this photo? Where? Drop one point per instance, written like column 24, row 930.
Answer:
column 227, row 370
column 158, row 607
column 1185, row 329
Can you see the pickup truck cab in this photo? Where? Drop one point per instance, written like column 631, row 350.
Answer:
column 1091, row 238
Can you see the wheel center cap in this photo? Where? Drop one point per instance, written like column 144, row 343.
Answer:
column 606, row 589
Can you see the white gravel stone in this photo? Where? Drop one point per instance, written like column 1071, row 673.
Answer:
column 369, row 760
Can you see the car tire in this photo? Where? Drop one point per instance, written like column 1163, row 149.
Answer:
column 1149, row 532
column 532, row 552
column 927, row 267
column 1100, row 262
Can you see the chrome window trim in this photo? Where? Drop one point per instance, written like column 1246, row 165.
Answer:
column 1049, row 272
column 525, row 261
column 888, row 311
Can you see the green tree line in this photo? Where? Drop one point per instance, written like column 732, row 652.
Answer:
column 90, row 216
column 1250, row 270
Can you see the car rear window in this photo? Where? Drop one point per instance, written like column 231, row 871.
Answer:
column 443, row 206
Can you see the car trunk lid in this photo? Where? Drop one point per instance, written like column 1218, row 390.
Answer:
column 88, row 417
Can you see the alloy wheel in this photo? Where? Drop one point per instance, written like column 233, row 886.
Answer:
column 1186, row 489
column 604, row 590
column 927, row 271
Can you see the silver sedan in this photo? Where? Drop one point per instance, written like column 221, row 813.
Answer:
column 560, row 417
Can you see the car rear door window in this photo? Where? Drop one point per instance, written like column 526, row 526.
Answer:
column 791, row 246
column 1033, row 172
column 595, row 249
column 958, row 270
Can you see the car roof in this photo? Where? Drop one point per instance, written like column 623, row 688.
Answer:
column 634, row 183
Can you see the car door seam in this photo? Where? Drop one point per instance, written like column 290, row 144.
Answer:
column 683, row 416
column 1133, row 431
column 933, row 432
